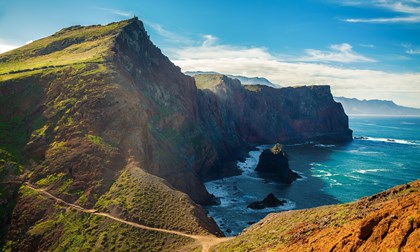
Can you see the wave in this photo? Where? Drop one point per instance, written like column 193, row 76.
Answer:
column 364, row 171
column 251, row 162
column 408, row 123
column 361, row 152
column 323, row 173
column 324, row 145
column 315, row 164
column 389, row 140
column 301, row 174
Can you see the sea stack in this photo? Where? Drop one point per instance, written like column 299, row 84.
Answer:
column 275, row 162
column 269, row 201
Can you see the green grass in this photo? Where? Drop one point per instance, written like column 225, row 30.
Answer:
column 207, row 81
column 94, row 139
column 146, row 199
column 253, row 88
column 50, row 179
column 68, row 46
column 61, row 229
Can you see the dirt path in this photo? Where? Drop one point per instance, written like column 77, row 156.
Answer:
column 206, row 241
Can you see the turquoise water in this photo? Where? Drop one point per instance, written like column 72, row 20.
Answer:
column 385, row 153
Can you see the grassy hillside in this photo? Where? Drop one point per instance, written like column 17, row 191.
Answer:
column 148, row 200
column 76, row 44
column 208, row 81
column 50, row 227
column 388, row 221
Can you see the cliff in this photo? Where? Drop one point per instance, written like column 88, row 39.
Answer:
column 261, row 114
column 98, row 117
column 388, row 221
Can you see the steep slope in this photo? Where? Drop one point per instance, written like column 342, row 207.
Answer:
column 355, row 106
column 75, row 121
column 388, row 221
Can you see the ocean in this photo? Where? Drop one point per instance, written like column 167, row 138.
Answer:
column 385, row 152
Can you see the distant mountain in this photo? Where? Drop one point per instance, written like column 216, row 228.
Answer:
column 377, row 107
column 244, row 80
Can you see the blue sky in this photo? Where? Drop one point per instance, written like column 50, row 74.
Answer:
column 365, row 49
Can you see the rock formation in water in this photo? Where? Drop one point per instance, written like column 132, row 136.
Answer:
column 275, row 162
column 269, row 201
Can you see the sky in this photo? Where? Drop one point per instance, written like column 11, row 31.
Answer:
column 366, row 49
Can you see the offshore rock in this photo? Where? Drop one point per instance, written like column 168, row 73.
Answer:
column 276, row 162
column 269, row 201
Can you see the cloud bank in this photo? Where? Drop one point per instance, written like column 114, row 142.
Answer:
column 407, row 11
column 404, row 88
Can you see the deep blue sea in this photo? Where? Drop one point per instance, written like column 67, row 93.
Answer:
column 384, row 153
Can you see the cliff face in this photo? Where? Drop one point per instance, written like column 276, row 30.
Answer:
column 234, row 115
column 261, row 114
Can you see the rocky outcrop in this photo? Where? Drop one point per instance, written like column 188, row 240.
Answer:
column 388, row 221
column 275, row 162
column 269, row 201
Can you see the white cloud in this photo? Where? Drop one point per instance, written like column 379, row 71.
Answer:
column 404, row 88
column 339, row 53
column 409, row 49
column 168, row 35
column 411, row 19
column 4, row 47
column 408, row 11
column 122, row 13
column 367, row 45
column 413, row 51
column 209, row 40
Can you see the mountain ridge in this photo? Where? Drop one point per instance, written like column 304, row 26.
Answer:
column 243, row 79
column 375, row 107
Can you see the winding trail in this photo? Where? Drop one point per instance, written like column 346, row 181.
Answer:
column 206, row 241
